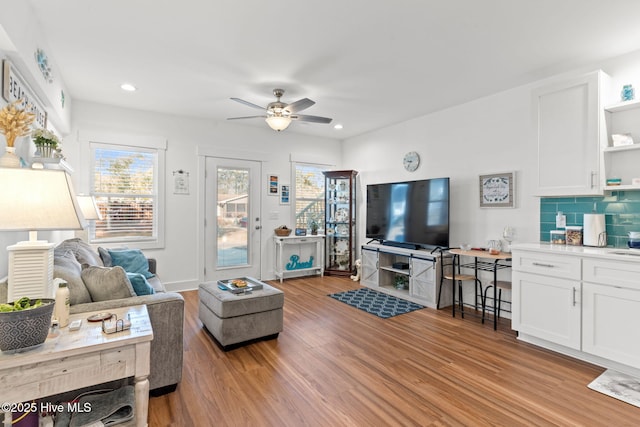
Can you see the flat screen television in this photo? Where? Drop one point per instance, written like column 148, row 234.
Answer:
column 409, row 214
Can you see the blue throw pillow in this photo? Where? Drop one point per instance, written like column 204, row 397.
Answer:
column 140, row 284
column 132, row 260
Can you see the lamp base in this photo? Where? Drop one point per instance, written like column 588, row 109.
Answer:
column 30, row 270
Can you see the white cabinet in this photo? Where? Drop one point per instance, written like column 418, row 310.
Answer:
column 298, row 255
column 622, row 161
column 369, row 269
column 584, row 302
column 423, row 281
column 568, row 125
column 611, row 310
column 410, row 274
column 547, row 307
column 546, row 297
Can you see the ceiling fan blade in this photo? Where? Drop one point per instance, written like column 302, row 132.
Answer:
column 313, row 119
column 247, row 117
column 299, row 105
column 247, row 103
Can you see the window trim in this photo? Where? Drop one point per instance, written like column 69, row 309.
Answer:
column 135, row 142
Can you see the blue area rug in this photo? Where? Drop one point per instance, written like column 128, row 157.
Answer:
column 374, row 302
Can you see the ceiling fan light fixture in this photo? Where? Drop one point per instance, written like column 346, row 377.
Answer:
column 278, row 123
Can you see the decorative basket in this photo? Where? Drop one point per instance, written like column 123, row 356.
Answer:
column 26, row 328
column 282, row 232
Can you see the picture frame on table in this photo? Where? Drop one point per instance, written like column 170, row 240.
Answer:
column 498, row 190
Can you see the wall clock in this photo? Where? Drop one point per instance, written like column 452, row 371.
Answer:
column 411, row 161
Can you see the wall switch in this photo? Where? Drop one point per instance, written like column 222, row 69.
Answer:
column 561, row 220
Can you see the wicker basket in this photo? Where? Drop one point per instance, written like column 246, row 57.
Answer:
column 21, row 330
column 282, row 232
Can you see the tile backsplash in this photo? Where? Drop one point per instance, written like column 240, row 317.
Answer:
column 621, row 209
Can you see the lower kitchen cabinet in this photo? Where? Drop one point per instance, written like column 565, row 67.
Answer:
column 592, row 313
column 547, row 307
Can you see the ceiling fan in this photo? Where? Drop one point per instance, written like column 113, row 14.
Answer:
column 279, row 115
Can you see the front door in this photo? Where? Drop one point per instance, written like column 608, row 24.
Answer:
column 232, row 225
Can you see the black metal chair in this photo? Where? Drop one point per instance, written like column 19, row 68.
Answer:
column 447, row 267
column 500, row 284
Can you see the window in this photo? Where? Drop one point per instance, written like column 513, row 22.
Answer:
column 309, row 194
column 125, row 183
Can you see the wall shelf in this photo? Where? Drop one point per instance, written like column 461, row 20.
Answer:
column 622, row 148
column 622, row 106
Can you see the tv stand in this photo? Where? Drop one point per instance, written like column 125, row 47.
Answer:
column 419, row 283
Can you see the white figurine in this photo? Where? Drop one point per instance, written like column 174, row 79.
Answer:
column 358, row 265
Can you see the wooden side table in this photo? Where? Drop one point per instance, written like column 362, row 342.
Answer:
column 72, row 360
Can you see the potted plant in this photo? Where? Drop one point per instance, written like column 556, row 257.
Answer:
column 313, row 225
column 25, row 323
column 45, row 142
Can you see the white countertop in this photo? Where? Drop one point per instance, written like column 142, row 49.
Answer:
column 619, row 254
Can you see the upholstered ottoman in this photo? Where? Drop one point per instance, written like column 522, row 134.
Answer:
column 235, row 318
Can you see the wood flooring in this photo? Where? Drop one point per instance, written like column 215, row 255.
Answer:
column 335, row 365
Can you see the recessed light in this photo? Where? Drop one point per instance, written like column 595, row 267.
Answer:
column 128, row 87
column 338, row 126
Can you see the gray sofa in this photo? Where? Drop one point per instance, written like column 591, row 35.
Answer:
column 166, row 309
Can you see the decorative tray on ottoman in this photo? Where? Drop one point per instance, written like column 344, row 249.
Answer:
column 238, row 286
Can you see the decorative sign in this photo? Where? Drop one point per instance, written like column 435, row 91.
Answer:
column 296, row 264
column 14, row 88
column 180, row 182
column 497, row 190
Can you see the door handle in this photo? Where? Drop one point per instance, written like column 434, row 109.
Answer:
column 258, row 227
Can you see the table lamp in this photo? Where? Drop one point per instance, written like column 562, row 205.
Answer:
column 89, row 207
column 90, row 212
column 35, row 200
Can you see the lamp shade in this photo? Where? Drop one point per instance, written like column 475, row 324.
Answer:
column 38, row 199
column 89, row 207
column 278, row 123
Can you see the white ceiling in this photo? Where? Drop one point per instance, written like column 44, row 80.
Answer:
column 366, row 63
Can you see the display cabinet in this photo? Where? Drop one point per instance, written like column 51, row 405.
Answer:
column 340, row 222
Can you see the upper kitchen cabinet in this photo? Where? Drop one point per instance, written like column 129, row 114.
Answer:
column 570, row 132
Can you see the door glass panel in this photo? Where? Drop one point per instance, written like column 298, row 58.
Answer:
column 232, row 217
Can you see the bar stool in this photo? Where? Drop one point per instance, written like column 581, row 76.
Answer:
column 500, row 284
column 461, row 279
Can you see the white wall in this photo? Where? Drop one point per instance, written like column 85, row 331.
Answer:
column 178, row 262
column 485, row 136
column 488, row 135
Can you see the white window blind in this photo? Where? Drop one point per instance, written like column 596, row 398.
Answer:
column 309, row 194
column 124, row 184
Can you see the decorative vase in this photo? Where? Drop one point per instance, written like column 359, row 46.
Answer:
column 9, row 159
column 45, row 150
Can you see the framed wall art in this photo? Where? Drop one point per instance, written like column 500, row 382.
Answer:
column 284, row 195
column 498, row 190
